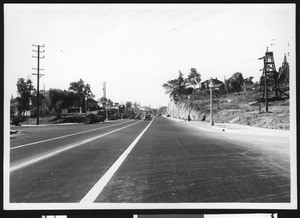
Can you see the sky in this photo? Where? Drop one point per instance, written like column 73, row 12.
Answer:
column 135, row 48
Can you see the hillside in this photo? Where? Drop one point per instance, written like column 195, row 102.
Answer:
column 234, row 108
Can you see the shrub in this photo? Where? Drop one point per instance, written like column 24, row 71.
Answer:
column 16, row 120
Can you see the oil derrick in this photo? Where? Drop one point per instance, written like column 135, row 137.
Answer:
column 283, row 77
column 269, row 79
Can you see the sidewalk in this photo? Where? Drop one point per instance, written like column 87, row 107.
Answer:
column 234, row 128
column 54, row 124
column 49, row 124
column 274, row 142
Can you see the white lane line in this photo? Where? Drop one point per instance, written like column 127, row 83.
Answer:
column 21, row 165
column 91, row 196
column 64, row 136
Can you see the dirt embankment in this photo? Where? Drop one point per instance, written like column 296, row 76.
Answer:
column 277, row 117
column 232, row 110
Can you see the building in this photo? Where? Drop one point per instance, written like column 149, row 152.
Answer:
column 219, row 86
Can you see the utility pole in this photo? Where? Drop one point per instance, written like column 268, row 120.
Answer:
column 106, row 103
column 38, row 78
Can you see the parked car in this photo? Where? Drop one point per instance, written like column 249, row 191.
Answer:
column 92, row 118
column 147, row 117
column 138, row 117
column 168, row 115
column 100, row 118
column 132, row 116
column 124, row 116
column 113, row 117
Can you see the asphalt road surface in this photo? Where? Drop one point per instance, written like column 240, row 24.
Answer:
column 136, row 161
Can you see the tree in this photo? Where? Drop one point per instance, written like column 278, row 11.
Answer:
column 176, row 87
column 110, row 103
column 238, row 77
column 59, row 99
column 56, row 97
column 136, row 104
column 162, row 110
column 235, row 83
column 181, row 84
column 121, row 109
column 234, row 86
column 128, row 104
column 171, row 88
column 13, row 106
column 83, row 90
column 248, row 83
column 194, row 78
column 25, row 89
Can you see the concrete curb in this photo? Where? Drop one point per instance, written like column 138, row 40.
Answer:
column 50, row 124
column 232, row 127
column 201, row 126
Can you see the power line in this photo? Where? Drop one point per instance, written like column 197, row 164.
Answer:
column 177, row 28
column 93, row 34
column 170, row 31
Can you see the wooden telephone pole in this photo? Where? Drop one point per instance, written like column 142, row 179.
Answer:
column 38, row 57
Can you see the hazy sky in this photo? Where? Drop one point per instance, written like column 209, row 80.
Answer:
column 136, row 48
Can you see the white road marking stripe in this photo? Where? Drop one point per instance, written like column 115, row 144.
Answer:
column 60, row 137
column 91, row 196
column 19, row 166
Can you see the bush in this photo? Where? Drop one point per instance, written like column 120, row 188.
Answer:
column 16, row 120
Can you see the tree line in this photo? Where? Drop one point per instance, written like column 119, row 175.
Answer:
column 56, row 99
column 181, row 86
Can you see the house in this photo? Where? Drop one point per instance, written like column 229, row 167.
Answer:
column 204, row 84
column 219, row 86
column 92, row 104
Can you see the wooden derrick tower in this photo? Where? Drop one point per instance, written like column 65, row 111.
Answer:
column 283, row 77
column 269, row 80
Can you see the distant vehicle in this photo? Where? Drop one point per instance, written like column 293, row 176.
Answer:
column 168, row 115
column 113, row 117
column 124, row 116
column 92, row 118
column 132, row 116
column 147, row 117
column 138, row 117
column 100, row 118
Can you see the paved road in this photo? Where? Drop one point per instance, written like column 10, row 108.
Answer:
column 169, row 162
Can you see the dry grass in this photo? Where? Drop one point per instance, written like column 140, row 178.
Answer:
column 244, row 109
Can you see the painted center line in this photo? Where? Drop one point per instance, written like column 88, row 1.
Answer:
column 91, row 196
column 64, row 136
column 27, row 163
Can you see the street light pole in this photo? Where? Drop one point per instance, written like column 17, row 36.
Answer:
column 189, row 117
column 211, row 103
column 173, row 107
column 85, row 108
column 106, row 112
